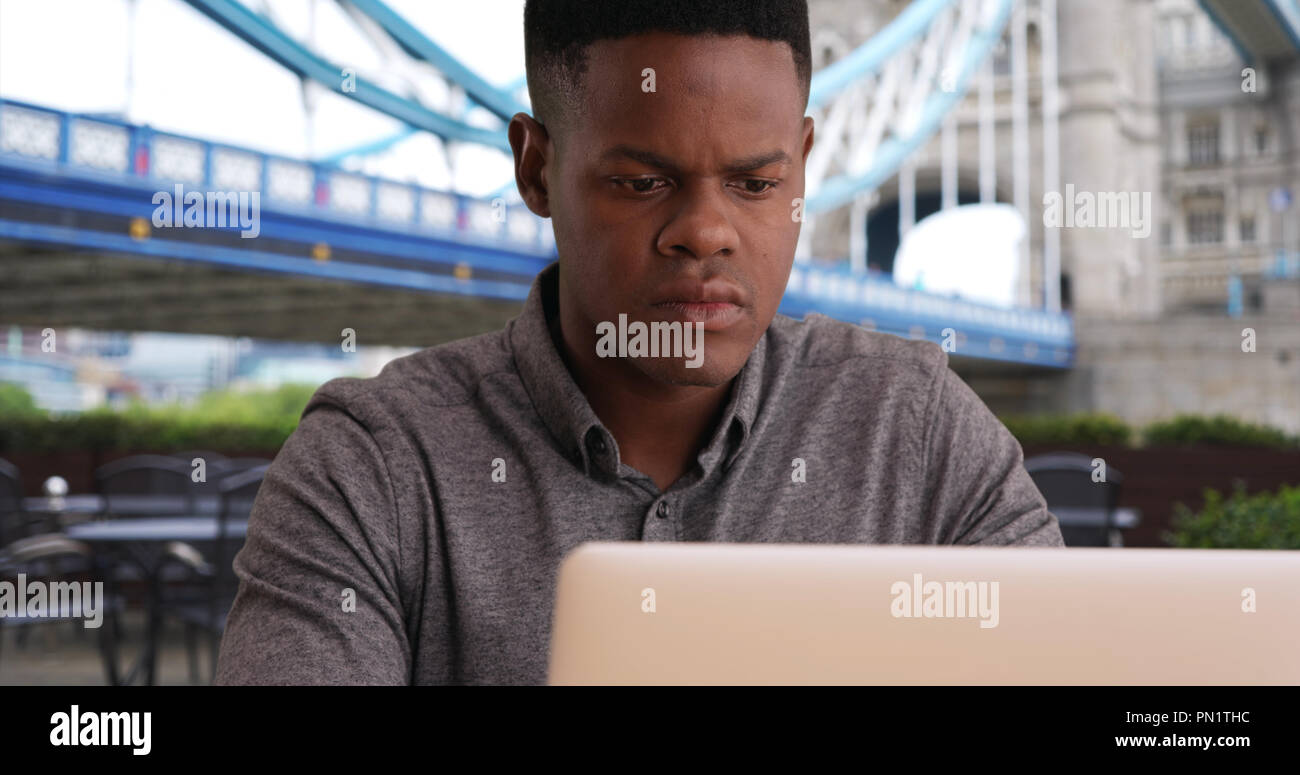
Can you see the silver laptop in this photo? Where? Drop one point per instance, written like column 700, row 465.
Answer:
column 706, row 613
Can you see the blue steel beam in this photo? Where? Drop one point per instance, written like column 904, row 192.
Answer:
column 259, row 261
column 1026, row 336
column 384, row 240
column 1240, row 47
column 135, row 170
column 909, row 25
column 265, row 37
column 1287, row 12
column 421, row 47
column 987, row 340
column 518, row 83
column 841, row 190
column 386, row 257
column 1258, row 29
column 365, row 149
column 1020, row 335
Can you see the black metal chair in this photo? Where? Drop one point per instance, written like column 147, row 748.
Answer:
column 215, row 463
column 204, row 603
column 52, row 558
column 235, row 465
column 146, row 486
column 13, row 519
column 218, row 467
column 189, row 455
column 162, row 481
column 1066, row 481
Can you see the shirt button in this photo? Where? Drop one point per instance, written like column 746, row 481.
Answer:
column 663, row 509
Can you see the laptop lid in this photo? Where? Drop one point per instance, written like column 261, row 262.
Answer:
column 709, row 613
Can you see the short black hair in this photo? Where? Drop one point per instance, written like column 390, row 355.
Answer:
column 557, row 33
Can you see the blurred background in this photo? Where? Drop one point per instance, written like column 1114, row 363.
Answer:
column 210, row 207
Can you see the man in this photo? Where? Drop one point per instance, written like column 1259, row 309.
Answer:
column 411, row 529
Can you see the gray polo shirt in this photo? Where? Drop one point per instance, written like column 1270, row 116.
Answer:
column 411, row 528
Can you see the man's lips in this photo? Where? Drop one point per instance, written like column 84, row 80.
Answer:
column 715, row 315
column 694, row 292
column 716, row 304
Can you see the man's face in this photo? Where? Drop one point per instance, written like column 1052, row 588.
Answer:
column 679, row 204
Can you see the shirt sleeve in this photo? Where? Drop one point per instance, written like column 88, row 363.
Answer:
column 318, row 598
column 979, row 489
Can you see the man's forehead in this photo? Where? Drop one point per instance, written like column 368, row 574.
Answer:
column 703, row 65
column 732, row 98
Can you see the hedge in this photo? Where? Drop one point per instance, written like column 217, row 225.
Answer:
column 1097, row 428
column 1264, row 520
column 1186, row 429
column 1082, row 428
column 262, row 420
column 15, row 401
column 259, row 420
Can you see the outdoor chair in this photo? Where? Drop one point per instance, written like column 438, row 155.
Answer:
column 52, row 558
column 161, row 480
column 204, row 603
column 1066, row 481
column 13, row 518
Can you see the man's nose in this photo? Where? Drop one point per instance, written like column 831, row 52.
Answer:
column 701, row 226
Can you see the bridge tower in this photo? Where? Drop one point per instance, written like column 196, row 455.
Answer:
column 1107, row 143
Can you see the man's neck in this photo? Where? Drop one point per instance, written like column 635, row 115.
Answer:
column 660, row 428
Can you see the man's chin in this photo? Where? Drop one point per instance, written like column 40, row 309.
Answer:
column 684, row 373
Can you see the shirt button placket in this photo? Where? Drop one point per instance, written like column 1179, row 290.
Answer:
column 596, row 448
column 658, row 526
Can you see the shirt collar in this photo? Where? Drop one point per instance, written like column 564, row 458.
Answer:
column 566, row 412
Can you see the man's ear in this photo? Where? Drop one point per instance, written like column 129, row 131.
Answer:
column 807, row 136
column 531, row 144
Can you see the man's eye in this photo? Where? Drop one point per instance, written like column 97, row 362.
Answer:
column 641, row 185
column 749, row 185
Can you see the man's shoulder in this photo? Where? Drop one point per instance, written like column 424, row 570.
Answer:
column 818, row 340
column 444, row 375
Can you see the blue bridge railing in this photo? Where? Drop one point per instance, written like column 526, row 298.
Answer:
column 385, row 232
column 99, row 145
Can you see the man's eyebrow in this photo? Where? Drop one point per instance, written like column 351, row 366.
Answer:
column 758, row 161
column 652, row 159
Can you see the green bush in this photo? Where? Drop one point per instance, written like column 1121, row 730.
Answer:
column 283, row 403
column 16, row 401
column 1082, row 428
column 1220, row 429
column 1261, row 521
column 1099, row 428
column 256, row 420
column 262, row 420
